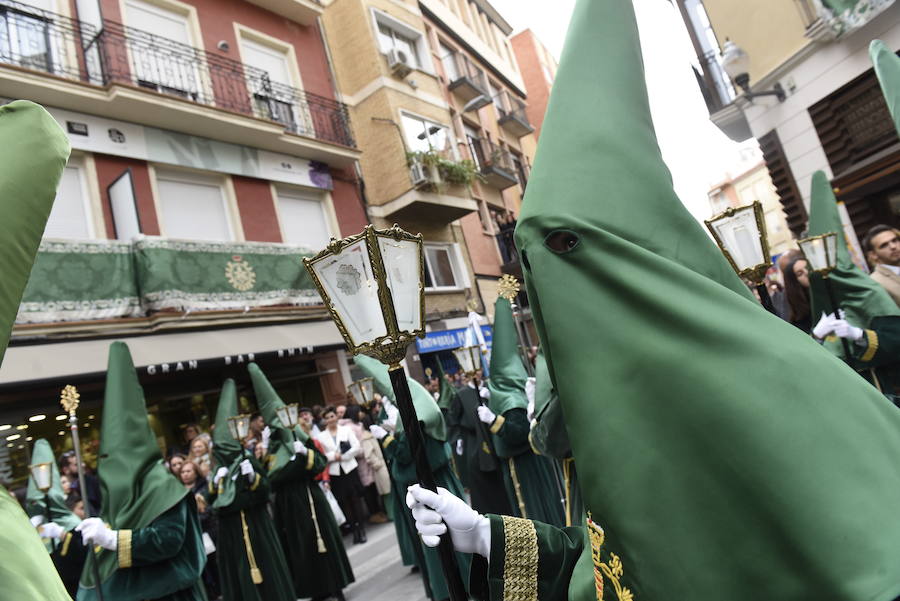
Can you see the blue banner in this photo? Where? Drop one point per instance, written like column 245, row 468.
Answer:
column 446, row 340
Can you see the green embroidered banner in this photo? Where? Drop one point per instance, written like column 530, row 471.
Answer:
column 190, row 275
column 80, row 280
column 845, row 16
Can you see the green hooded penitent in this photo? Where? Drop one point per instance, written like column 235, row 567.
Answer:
column 33, row 154
column 531, row 482
column 36, row 501
column 887, row 68
column 724, row 453
column 250, row 561
column 140, row 495
column 309, row 535
column 446, row 392
column 864, row 301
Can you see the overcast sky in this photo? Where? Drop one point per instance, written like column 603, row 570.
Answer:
column 697, row 153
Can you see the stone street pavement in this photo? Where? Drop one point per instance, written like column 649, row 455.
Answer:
column 380, row 574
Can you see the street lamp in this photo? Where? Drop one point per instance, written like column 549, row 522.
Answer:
column 288, row 414
column 740, row 234
column 373, row 284
column 363, row 391
column 239, row 426
column 736, row 63
column 820, row 253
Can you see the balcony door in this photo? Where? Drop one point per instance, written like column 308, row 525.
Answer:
column 161, row 50
column 25, row 35
column 272, row 87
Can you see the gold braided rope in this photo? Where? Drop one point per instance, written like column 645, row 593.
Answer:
column 255, row 573
column 567, row 475
column 517, row 487
column 520, row 560
column 312, row 509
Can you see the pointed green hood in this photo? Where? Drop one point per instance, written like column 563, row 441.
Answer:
column 36, row 501
column 446, row 394
column 426, row 409
column 33, row 154
column 861, row 297
column 508, row 375
column 887, row 68
column 659, row 355
column 281, row 449
column 226, row 450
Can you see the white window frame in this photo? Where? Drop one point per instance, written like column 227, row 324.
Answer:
column 420, row 43
column 451, row 144
column 90, row 197
column 203, row 178
column 457, row 266
column 324, row 198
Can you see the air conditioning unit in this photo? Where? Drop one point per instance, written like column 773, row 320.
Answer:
column 399, row 63
column 423, row 175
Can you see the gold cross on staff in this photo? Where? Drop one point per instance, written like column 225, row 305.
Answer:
column 69, row 399
column 508, row 287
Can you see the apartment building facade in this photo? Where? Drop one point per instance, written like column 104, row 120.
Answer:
column 538, row 67
column 438, row 108
column 210, row 154
column 831, row 114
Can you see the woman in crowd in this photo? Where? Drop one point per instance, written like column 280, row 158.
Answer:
column 200, row 455
column 341, row 448
column 175, row 463
column 373, row 472
column 197, row 484
column 796, row 287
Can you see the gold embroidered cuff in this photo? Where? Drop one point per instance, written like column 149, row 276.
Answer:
column 124, row 548
column 872, row 339
column 65, row 546
column 531, row 444
column 387, row 441
column 310, row 459
column 212, row 487
column 498, row 423
column 256, row 482
column 520, row 560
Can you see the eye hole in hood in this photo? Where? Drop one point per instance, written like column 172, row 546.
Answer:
column 562, row 241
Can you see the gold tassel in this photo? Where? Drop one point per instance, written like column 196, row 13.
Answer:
column 312, row 508
column 567, row 465
column 517, row 487
column 255, row 574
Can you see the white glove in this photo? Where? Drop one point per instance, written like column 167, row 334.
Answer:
column 51, row 530
column 220, row 473
column 266, row 435
column 94, row 531
column 844, row 330
column 434, row 513
column 37, row 520
column 459, row 447
column 486, row 415
column 484, row 392
column 377, row 431
column 300, row 448
column 247, row 469
column 824, row 327
column 529, row 394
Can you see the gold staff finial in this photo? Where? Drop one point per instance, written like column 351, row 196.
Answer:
column 509, row 287
column 69, row 399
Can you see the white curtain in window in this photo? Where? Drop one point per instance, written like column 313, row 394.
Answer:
column 69, row 217
column 303, row 220
column 193, row 210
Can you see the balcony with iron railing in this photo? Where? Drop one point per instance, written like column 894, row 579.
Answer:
column 117, row 55
column 469, row 82
column 495, row 163
column 511, row 113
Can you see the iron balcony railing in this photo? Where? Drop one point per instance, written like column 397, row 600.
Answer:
column 509, row 106
column 52, row 43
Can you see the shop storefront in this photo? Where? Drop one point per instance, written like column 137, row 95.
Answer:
column 437, row 347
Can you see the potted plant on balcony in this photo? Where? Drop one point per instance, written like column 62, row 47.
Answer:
column 441, row 171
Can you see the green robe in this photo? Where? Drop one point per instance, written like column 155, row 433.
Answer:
column 167, row 549
column 876, row 354
column 396, row 450
column 316, row 570
column 250, row 508
column 531, row 482
column 484, row 471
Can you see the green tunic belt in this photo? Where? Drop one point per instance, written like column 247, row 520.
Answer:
column 250, row 507
column 314, row 573
column 396, row 449
column 530, row 481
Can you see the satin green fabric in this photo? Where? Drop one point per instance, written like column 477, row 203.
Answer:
column 281, row 444
column 709, row 484
column 446, row 392
column 227, row 451
column 36, row 501
column 508, row 375
column 426, row 408
column 887, row 69
column 859, row 296
column 33, row 152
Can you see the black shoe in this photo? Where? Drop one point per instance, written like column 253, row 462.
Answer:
column 362, row 534
column 339, row 596
column 356, row 537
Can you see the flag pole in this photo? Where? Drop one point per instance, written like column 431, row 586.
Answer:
column 69, row 399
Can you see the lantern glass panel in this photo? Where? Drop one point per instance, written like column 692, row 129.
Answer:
column 467, row 357
column 239, row 426
column 819, row 252
column 41, row 475
column 402, row 265
column 739, row 235
column 284, row 416
column 350, row 284
column 362, row 391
